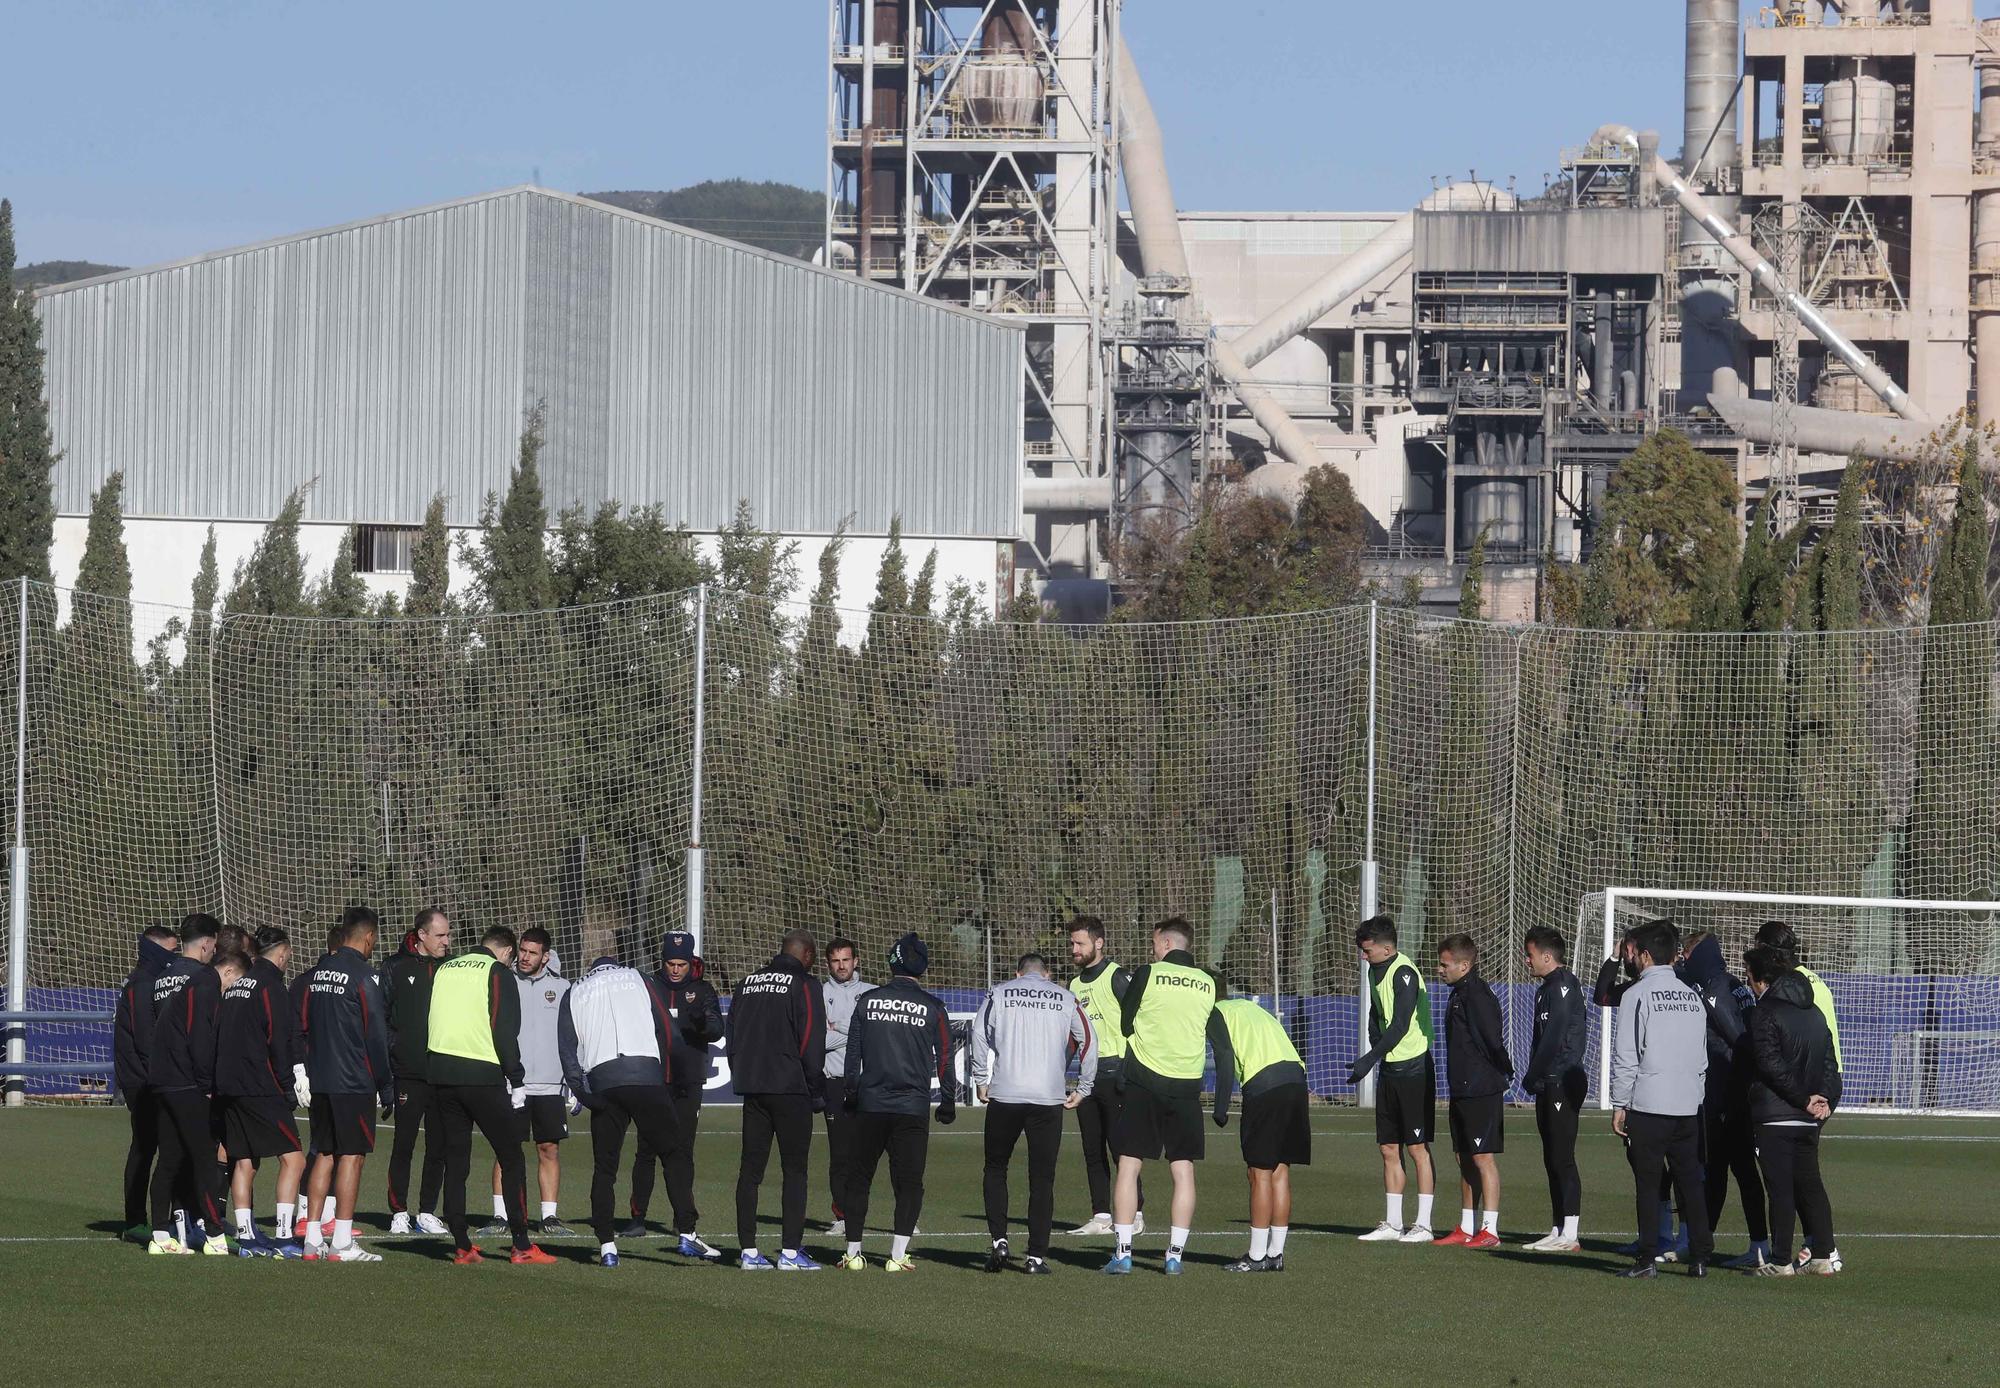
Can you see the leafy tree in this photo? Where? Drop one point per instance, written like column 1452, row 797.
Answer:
column 1472, row 591
column 1666, row 557
column 27, row 456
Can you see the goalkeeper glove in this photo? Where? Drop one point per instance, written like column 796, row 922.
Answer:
column 302, row 1089
column 517, row 1095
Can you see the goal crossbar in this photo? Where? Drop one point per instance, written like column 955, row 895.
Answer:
column 1614, row 895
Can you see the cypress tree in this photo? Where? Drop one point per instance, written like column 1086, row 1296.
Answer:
column 272, row 581
column 430, row 565
column 27, row 457
column 1472, row 592
column 511, row 561
column 1836, row 596
column 342, row 594
column 106, row 570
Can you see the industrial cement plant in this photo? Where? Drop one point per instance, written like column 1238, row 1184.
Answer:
column 1045, row 352
column 1813, row 274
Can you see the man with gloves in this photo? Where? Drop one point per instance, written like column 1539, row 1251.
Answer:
column 899, row 1043
column 617, row 1045
column 697, row 1018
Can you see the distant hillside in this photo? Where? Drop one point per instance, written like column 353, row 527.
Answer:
column 47, row 272
column 778, row 217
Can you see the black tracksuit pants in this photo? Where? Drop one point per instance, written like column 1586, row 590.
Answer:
column 187, row 1160
column 839, row 1143
column 142, row 1107
column 677, row 1165
column 647, row 1107
column 416, row 1109
column 462, row 1107
column 1661, row 1143
column 1731, row 1146
column 788, row 1119
column 1790, row 1160
column 1005, row 1123
column 1557, row 1111
column 906, row 1137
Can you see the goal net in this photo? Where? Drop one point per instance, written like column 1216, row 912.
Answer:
column 1916, row 1035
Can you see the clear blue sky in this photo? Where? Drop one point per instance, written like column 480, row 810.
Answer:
column 141, row 131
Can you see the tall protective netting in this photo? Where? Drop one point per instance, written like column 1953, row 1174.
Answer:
column 518, row 770
column 867, row 773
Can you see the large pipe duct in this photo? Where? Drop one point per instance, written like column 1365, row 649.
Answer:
column 1077, row 494
column 1326, row 293
column 1745, row 253
column 1708, row 151
column 1157, row 226
column 1817, row 430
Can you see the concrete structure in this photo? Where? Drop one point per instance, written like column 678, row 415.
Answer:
column 391, row 359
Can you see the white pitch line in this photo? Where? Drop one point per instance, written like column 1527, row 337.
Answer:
column 1062, row 1240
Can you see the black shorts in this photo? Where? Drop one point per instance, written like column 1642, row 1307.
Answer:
column 1151, row 1125
column 544, row 1118
column 260, row 1126
column 343, row 1125
column 1277, row 1128
column 1406, row 1106
column 1477, row 1128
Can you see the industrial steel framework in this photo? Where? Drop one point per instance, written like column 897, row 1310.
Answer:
column 971, row 158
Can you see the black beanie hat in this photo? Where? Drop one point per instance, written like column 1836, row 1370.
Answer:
column 909, row 956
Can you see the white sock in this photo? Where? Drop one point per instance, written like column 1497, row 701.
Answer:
column 1395, row 1215
column 499, row 1207
column 284, row 1220
column 1260, row 1240
column 327, row 1209
column 246, row 1224
column 343, row 1232
column 548, row 1209
column 1569, row 1227
column 1104, row 1215
column 751, row 1254
column 1177, row 1238
column 1424, row 1210
column 788, row 1253
column 611, row 1247
column 1124, row 1232
column 313, row 1236
column 162, row 1236
column 1465, row 1224
column 854, row 1248
column 1278, row 1232
column 1489, row 1222
column 899, row 1247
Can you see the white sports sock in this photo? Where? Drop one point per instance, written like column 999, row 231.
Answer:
column 1424, row 1210
column 1569, row 1227
column 326, row 1209
column 1278, row 1232
column 1395, row 1215
column 853, row 1248
column 284, row 1220
column 1489, row 1222
column 343, row 1232
column 548, row 1209
column 1177, row 1238
column 499, row 1207
column 313, row 1236
column 1104, row 1215
column 611, row 1247
column 1124, row 1232
column 162, row 1236
column 899, row 1247
column 1465, row 1224
column 1260, row 1240
column 788, row 1253
column 246, row 1224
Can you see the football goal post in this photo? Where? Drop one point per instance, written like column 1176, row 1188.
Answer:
column 1915, row 983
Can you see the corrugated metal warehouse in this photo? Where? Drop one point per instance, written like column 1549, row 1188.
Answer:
column 393, row 358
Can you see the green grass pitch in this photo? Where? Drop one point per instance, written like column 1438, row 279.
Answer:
column 1915, row 1200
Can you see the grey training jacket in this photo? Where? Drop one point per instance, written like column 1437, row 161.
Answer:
column 840, row 1001
column 1659, row 1059
column 541, row 1003
column 1021, row 1041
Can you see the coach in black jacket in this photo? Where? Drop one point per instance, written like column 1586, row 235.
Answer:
column 346, row 1027
column 1477, row 1072
column 697, row 1025
column 1557, row 1080
column 181, row 1072
column 898, row 1045
column 1794, row 1088
column 406, row 990
column 777, row 1060
column 132, row 1039
column 1729, row 1141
